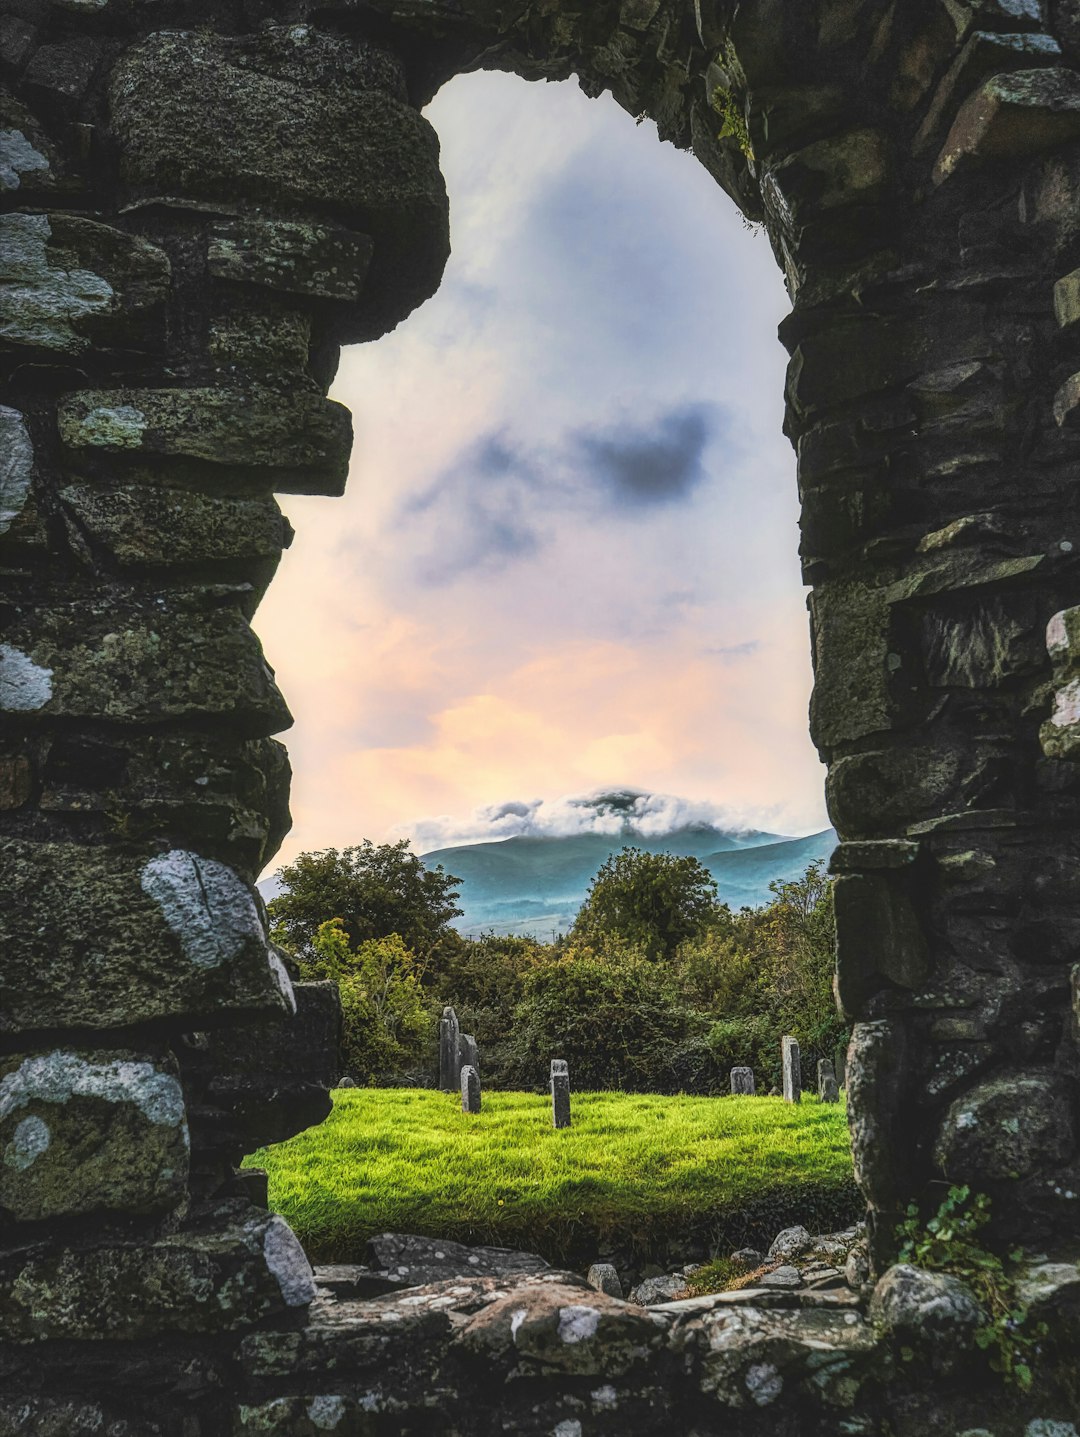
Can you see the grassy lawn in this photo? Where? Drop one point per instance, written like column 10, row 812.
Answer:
column 633, row 1169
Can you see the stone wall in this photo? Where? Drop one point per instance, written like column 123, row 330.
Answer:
column 200, row 204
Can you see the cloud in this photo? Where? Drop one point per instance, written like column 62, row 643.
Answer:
column 480, row 512
column 660, row 464
column 625, row 812
column 499, row 501
column 728, row 653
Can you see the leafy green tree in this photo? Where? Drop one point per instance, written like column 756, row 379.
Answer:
column 386, row 1019
column 374, row 889
column 615, row 1016
column 652, row 901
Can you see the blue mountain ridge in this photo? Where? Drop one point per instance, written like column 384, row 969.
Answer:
column 535, row 885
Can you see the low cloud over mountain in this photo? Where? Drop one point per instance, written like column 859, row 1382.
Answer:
column 616, row 813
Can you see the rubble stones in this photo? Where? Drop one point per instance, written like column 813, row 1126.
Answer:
column 932, row 1312
column 604, row 1278
column 187, row 1282
column 790, row 1243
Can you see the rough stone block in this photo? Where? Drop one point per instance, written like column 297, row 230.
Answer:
column 146, row 526
column 749, row 1355
column 42, row 1416
column 90, row 1132
column 204, row 1283
column 189, row 116
column 1012, row 117
column 16, row 465
column 877, row 1066
column 297, row 443
column 850, row 624
column 1067, row 300
column 986, row 52
column 742, row 1082
column 879, row 938
column 324, row 261
column 226, row 794
column 140, row 662
column 1060, row 734
column 603, row 1276
column 31, row 165
column 262, row 1083
column 882, row 790
column 1007, row 1127
column 844, row 170
column 1067, row 403
column 70, row 283
column 103, row 938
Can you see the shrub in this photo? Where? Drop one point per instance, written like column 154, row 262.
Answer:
column 614, row 1017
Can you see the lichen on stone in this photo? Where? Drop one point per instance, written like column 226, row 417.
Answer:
column 288, row 1263
column 59, row 1076
column 42, row 301
column 24, row 685
column 206, row 905
column 16, row 465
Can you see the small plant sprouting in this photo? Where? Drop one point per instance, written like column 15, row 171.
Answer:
column 734, row 121
column 949, row 1242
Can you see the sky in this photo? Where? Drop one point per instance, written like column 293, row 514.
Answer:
column 566, row 559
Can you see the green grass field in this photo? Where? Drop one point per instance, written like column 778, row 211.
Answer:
column 633, row 1169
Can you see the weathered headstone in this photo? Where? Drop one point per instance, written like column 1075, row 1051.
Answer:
column 449, row 1066
column 827, row 1088
column 470, row 1089
column 789, row 1049
column 742, row 1082
column 347, row 1082
column 468, row 1053
column 560, row 1093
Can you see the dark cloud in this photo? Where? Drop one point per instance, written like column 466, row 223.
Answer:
column 478, row 514
column 660, row 464
column 501, row 499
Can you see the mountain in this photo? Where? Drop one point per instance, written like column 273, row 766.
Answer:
column 535, row 885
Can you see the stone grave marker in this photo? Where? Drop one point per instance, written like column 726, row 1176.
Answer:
column 470, row 1089
column 827, row 1087
column 742, row 1082
column 467, row 1052
column 560, row 1093
column 449, row 1035
column 789, row 1048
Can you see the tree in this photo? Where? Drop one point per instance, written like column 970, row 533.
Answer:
column 385, row 1020
column 375, row 889
column 652, row 901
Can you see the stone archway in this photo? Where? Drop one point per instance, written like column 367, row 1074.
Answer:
column 200, row 207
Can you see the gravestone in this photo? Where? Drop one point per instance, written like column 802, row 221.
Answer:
column 449, row 1036
column 468, row 1054
column 827, row 1087
column 560, row 1093
column 470, row 1089
column 789, row 1048
column 742, row 1082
